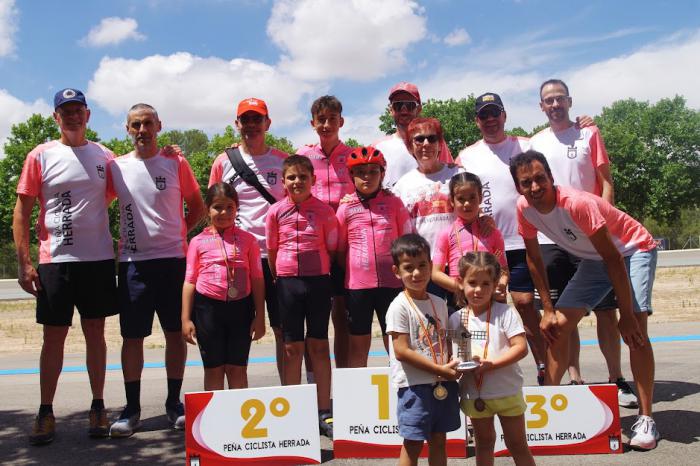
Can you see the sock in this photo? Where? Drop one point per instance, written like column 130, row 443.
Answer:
column 174, row 387
column 133, row 395
column 45, row 410
column 98, row 404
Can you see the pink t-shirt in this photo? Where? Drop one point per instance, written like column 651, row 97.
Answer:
column 491, row 163
column 303, row 235
column 333, row 179
column 252, row 207
column 399, row 160
column 366, row 231
column 578, row 215
column 71, row 186
column 454, row 242
column 150, row 193
column 206, row 266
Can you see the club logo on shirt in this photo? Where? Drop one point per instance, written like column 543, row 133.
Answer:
column 160, row 183
column 101, row 171
column 271, row 178
column 570, row 234
column 571, row 152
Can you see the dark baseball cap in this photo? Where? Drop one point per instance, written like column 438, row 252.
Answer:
column 490, row 98
column 68, row 95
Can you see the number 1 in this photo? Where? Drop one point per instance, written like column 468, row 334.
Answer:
column 382, row 383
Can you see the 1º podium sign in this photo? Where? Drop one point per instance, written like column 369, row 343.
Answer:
column 271, row 426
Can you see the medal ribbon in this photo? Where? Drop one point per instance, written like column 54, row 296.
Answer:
column 425, row 329
column 475, row 243
column 480, row 379
column 230, row 271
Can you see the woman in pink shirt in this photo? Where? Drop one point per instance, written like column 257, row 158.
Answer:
column 223, row 297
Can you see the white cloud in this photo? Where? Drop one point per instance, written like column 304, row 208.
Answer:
column 194, row 92
column 16, row 111
column 112, row 31
column 457, row 37
column 354, row 39
column 8, row 27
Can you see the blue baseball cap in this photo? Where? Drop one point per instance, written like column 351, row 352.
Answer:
column 68, row 95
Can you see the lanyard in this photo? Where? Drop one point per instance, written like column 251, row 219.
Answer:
column 465, row 322
column 475, row 243
column 230, row 271
column 425, row 329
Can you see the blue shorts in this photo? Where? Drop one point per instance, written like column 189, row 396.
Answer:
column 420, row 414
column 520, row 280
column 590, row 284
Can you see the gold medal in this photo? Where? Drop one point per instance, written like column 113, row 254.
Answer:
column 479, row 404
column 440, row 392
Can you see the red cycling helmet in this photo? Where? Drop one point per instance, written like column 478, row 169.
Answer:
column 364, row 156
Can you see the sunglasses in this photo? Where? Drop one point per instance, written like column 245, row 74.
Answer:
column 560, row 99
column 420, row 139
column 410, row 105
column 255, row 119
column 489, row 111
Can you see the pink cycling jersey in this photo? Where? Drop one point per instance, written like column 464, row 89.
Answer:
column 71, row 186
column 303, row 235
column 206, row 266
column 454, row 242
column 366, row 231
column 333, row 179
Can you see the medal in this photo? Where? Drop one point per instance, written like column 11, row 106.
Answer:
column 231, row 291
column 479, row 404
column 439, row 392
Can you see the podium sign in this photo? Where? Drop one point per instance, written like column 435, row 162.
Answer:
column 272, row 425
column 569, row 420
column 364, row 417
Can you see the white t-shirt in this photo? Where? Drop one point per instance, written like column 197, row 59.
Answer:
column 399, row 160
column 71, row 186
column 427, row 199
column 252, row 205
column 491, row 163
column 504, row 324
column 150, row 193
column 403, row 318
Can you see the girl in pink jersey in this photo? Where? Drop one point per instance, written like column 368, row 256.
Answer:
column 369, row 220
column 465, row 235
column 223, row 297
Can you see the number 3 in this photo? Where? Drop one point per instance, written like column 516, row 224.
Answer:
column 536, row 410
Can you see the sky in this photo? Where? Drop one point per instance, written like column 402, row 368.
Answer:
column 194, row 60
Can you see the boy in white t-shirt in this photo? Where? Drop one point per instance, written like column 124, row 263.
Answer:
column 428, row 405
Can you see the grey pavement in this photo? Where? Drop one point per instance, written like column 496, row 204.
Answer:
column 677, row 398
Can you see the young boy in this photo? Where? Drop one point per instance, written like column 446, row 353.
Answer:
column 333, row 181
column 302, row 237
column 428, row 405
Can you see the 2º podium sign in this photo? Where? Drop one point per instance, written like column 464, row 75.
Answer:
column 271, row 426
column 364, row 417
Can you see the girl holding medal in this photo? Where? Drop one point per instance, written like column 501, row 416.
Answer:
column 498, row 342
column 464, row 235
column 223, row 297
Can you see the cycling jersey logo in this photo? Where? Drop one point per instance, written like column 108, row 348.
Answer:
column 271, row 178
column 160, row 183
column 101, row 171
column 570, row 234
column 571, row 152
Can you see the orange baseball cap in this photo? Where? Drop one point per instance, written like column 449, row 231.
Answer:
column 251, row 104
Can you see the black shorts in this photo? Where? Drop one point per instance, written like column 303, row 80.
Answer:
column 223, row 330
column 88, row 286
column 146, row 287
column 338, row 279
column 273, row 313
column 304, row 299
column 519, row 279
column 362, row 305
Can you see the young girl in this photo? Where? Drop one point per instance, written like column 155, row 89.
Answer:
column 465, row 235
column 369, row 220
column 223, row 297
column 497, row 344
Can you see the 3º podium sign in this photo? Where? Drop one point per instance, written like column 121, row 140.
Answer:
column 271, row 426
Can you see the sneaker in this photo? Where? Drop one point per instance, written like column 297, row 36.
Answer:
column 43, row 430
column 176, row 415
column 625, row 396
column 325, row 421
column 99, row 427
column 540, row 374
column 644, row 434
column 577, row 382
column 127, row 423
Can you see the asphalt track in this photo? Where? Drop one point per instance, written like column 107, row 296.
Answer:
column 677, row 397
